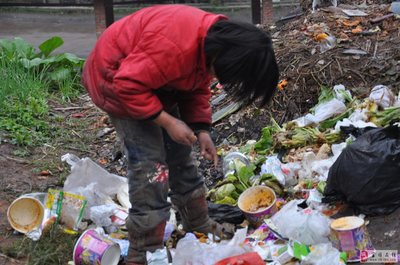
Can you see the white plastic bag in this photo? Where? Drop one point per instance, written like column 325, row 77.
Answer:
column 323, row 254
column 93, row 182
column 306, row 226
column 315, row 3
column 284, row 174
column 322, row 112
column 382, row 96
column 191, row 251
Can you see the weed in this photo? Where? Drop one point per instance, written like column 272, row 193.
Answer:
column 50, row 249
column 29, row 79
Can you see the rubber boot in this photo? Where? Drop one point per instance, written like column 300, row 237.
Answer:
column 140, row 243
column 193, row 209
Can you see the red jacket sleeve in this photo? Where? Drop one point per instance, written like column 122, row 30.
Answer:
column 194, row 106
column 148, row 67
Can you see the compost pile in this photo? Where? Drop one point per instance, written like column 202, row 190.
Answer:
column 365, row 54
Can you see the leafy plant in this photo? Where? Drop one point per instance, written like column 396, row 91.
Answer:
column 29, row 77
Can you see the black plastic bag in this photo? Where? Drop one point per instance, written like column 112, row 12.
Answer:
column 367, row 173
column 224, row 213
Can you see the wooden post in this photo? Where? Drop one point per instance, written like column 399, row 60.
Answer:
column 267, row 12
column 104, row 15
column 256, row 11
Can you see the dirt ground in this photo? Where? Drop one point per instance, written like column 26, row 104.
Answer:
column 19, row 175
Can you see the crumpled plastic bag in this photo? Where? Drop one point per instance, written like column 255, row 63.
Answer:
column 190, row 250
column 382, row 96
column 284, row 174
column 93, row 182
column 322, row 112
column 315, row 3
column 306, row 226
column 323, row 254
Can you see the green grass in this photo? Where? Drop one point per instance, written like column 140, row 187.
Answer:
column 23, row 103
column 28, row 80
column 50, row 249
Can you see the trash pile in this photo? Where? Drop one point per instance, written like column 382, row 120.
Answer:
column 287, row 188
column 356, row 45
column 283, row 191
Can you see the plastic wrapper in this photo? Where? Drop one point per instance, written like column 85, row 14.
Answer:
column 382, row 96
column 67, row 207
column 284, row 174
column 306, row 226
column 190, row 251
column 323, row 254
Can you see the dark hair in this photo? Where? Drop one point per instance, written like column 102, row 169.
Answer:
column 243, row 60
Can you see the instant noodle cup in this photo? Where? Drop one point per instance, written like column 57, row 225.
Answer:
column 257, row 204
column 93, row 248
column 26, row 213
column 349, row 234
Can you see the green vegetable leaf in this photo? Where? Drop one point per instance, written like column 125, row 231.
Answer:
column 224, row 191
column 325, row 95
column 244, row 175
column 266, row 141
column 227, row 200
column 50, row 45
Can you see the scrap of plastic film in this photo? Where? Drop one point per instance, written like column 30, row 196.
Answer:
column 282, row 84
column 321, row 36
column 67, row 207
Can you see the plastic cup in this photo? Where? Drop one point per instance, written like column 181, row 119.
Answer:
column 26, row 213
column 93, row 248
column 253, row 202
column 349, row 234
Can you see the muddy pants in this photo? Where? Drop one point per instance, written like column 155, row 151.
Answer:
column 155, row 164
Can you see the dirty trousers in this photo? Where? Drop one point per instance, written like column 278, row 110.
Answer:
column 156, row 164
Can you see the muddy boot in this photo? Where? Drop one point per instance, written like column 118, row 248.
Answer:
column 140, row 243
column 193, row 209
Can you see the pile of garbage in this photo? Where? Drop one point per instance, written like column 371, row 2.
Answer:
column 281, row 191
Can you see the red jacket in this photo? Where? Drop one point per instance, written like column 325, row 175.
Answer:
column 151, row 60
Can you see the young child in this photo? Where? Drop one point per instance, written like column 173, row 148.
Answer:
column 151, row 71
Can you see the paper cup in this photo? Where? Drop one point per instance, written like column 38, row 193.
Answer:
column 92, row 248
column 257, row 203
column 25, row 213
column 349, row 234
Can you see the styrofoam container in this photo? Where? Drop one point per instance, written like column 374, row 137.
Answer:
column 93, row 248
column 26, row 213
column 251, row 197
column 349, row 234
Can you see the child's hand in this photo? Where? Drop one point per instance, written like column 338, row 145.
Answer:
column 207, row 148
column 176, row 129
column 180, row 132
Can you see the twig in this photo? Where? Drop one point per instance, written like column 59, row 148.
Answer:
column 9, row 258
column 375, row 50
column 359, row 75
column 72, row 108
column 15, row 159
column 80, row 150
column 340, row 67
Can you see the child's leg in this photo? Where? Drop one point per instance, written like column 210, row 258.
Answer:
column 148, row 186
column 188, row 190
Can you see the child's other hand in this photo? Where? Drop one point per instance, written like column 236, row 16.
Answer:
column 207, row 148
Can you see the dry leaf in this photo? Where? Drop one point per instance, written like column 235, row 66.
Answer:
column 354, row 23
column 357, row 30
